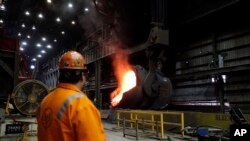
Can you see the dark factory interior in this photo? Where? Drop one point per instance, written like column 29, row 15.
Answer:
column 144, row 58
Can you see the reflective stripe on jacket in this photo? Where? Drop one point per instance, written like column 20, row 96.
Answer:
column 66, row 114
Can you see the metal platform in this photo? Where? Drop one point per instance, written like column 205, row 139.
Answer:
column 112, row 134
column 17, row 125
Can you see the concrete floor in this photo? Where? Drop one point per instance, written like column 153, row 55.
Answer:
column 112, row 134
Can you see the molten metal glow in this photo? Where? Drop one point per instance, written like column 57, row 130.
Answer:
column 125, row 76
column 128, row 82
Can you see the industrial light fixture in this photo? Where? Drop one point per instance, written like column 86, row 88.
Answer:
column 218, row 78
column 2, row 7
column 58, row 19
column 40, row 15
column 27, row 13
column 213, row 79
column 32, row 67
column 70, row 5
column 33, row 27
column 44, row 39
column 86, row 9
column 24, row 43
column 43, row 51
column 23, row 25
column 49, row 46
column 38, row 45
column 224, row 78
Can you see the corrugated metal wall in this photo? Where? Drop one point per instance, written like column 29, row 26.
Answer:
column 225, row 54
column 50, row 73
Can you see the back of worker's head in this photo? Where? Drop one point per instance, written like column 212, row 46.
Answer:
column 71, row 67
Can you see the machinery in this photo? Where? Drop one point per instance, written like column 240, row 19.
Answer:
column 27, row 96
column 205, row 133
column 153, row 88
column 152, row 91
column 17, row 86
column 19, row 92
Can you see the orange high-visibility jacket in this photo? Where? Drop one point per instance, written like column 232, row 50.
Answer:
column 66, row 114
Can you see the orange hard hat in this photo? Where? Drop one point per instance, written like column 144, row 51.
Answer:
column 72, row 60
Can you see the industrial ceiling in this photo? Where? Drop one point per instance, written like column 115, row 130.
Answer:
column 46, row 28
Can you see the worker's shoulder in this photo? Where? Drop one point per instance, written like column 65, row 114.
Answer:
column 52, row 89
column 81, row 96
column 81, row 101
column 62, row 91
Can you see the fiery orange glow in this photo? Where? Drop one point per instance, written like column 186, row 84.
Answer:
column 125, row 76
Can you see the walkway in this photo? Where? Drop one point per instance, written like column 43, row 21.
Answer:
column 112, row 135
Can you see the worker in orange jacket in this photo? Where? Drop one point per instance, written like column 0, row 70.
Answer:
column 66, row 114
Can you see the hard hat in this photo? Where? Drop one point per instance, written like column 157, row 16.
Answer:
column 72, row 60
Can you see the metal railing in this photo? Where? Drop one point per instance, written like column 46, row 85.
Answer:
column 150, row 118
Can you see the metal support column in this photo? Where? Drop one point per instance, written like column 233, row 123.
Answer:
column 220, row 89
column 16, row 65
column 98, row 83
column 219, row 84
